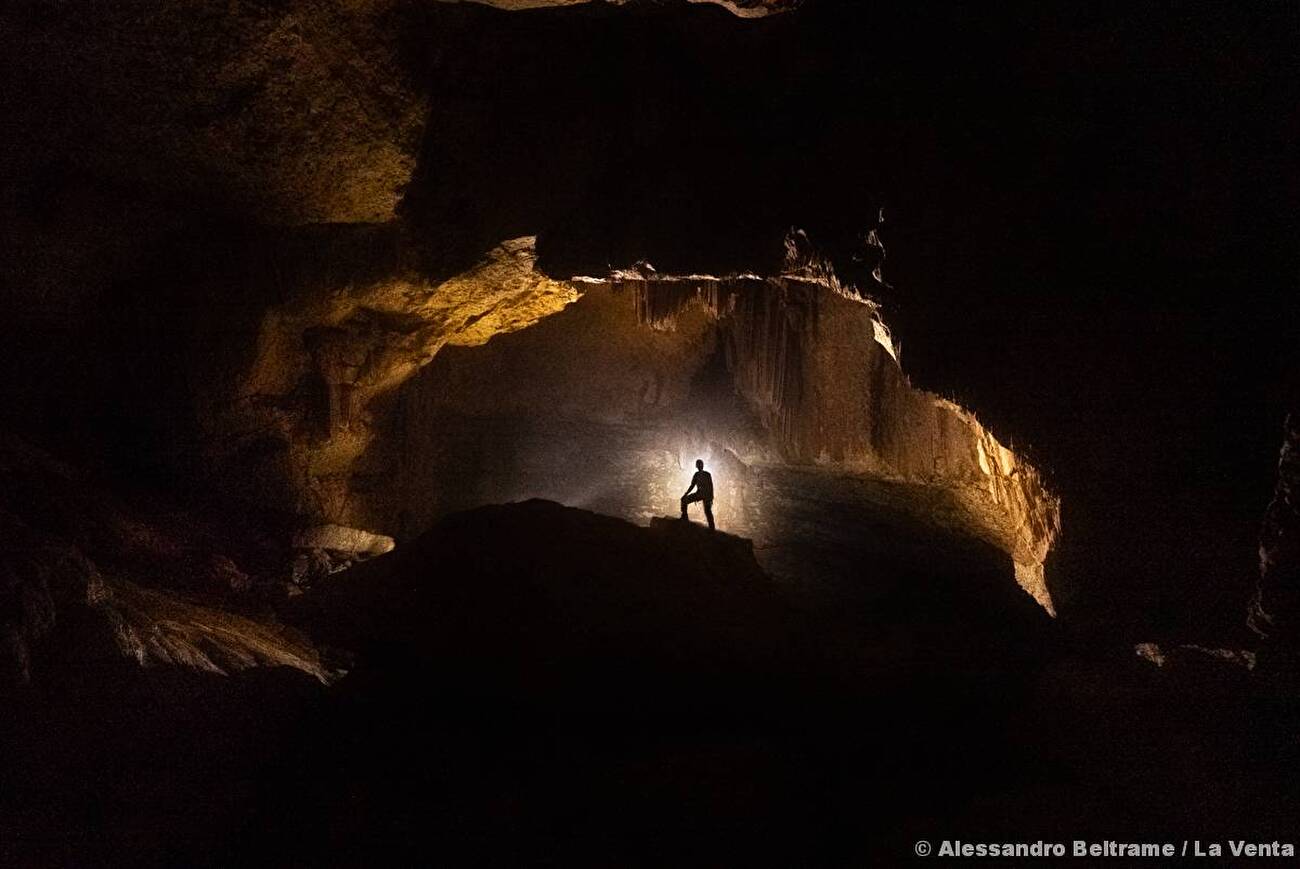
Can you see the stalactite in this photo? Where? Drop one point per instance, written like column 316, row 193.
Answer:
column 660, row 302
column 339, row 357
column 815, row 363
column 765, row 341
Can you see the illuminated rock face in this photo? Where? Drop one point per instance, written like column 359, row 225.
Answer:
column 319, row 401
column 290, row 426
column 787, row 387
column 741, row 8
column 390, row 401
column 287, row 112
column 819, row 368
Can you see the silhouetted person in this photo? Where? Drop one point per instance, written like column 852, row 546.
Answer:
column 702, row 484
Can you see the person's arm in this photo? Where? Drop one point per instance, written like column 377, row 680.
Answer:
column 691, row 488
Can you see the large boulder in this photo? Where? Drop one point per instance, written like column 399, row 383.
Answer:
column 528, row 671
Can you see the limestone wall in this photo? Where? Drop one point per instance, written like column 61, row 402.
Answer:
column 817, row 366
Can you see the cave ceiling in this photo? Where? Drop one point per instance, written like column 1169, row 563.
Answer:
column 741, row 8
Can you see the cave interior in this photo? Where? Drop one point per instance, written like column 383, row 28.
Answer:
column 360, row 352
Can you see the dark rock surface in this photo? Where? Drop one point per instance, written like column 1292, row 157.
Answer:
column 537, row 684
column 144, row 679
column 1275, row 610
column 1090, row 221
column 108, row 764
column 296, row 112
column 85, row 576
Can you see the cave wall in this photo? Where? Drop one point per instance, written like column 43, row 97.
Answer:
column 93, row 585
column 299, row 373
column 154, row 153
column 607, row 404
column 819, row 368
column 285, row 417
column 296, row 112
column 1275, row 608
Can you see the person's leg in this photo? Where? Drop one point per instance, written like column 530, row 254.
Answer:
column 708, row 513
column 689, row 499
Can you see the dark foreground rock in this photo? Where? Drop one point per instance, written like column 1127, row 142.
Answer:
column 537, row 683
column 533, row 684
column 543, row 685
column 144, row 683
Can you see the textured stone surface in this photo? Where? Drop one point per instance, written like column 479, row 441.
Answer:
column 84, row 579
column 787, row 387
column 815, row 363
column 742, row 8
column 341, row 539
column 1275, row 610
column 304, row 408
column 306, row 112
column 288, row 112
column 625, row 671
column 156, row 629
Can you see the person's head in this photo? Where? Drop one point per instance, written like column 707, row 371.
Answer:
column 699, row 464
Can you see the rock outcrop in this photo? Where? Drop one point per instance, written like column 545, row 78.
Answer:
column 83, row 579
column 789, row 386
column 287, row 112
column 599, row 630
column 818, row 366
column 1275, row 610
column 540, row 672
column 561, row 580
column 740, row 8
column 301, row 407
column 336, row 538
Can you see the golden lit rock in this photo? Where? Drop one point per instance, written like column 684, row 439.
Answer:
column 739, row 8
column 816, row 364
column 788, row 387
column 324, row 357
column 289, row 113
column 353, row 413
column 158, row 629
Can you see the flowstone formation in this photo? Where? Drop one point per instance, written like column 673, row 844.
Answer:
column 817, row 366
